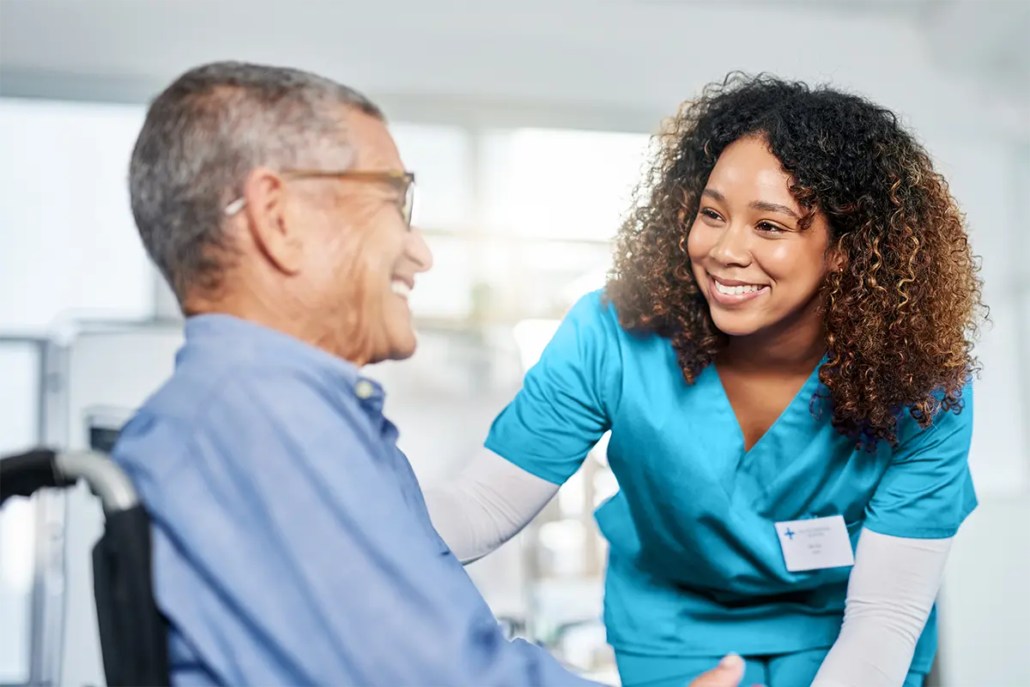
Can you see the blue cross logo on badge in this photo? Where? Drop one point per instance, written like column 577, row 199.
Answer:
column 790, row 535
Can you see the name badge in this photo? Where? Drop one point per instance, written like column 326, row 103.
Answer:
column 815, row 544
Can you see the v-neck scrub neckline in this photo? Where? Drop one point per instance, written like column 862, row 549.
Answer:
column 803, row 397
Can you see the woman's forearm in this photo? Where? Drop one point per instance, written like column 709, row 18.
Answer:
column 489, row 503
column 891, row 592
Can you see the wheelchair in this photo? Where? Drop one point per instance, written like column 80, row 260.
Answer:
column 133, row 634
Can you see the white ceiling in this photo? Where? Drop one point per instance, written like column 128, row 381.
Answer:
column 632, row 58
column 910, row 9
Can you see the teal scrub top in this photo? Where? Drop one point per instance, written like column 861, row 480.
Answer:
column 695, row 566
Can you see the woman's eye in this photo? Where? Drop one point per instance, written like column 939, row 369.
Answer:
column 710, row 214
column 769, row 228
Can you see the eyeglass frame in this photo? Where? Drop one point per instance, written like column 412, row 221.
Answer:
column 404, row 181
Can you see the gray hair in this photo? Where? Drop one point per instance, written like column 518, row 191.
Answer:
column 204, row 134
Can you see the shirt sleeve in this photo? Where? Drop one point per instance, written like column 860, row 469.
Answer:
column 567, row 398
column 927, row 491
column 488, row 504
column 891, row 592
column 286, row 551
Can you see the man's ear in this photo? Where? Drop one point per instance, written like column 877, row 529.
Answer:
column 265, row 208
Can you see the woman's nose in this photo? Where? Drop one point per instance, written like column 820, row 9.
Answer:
column 732, row 247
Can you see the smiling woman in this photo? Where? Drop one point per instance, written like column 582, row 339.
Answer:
column 783, row 346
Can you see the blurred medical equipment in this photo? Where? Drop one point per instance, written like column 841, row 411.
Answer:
column 132, row 632
column 92, row 375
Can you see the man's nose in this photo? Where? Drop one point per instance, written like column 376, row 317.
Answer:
column 418, row 250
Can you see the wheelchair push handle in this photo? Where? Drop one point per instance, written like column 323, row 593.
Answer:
column 25, row 473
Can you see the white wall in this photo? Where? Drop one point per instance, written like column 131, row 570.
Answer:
column 984, row 178
column 19, row 396
column 985, row 599
column 69, row 242
column 68, row 247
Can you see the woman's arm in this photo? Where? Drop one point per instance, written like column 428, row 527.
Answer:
column 541, row 438
column 891, row 592
column 491, row 501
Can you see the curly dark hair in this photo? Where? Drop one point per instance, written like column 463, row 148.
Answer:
column 903, row 310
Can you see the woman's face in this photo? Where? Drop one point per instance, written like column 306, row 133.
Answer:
column 758, row 270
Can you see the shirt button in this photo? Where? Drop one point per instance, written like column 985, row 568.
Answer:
column 364, row 389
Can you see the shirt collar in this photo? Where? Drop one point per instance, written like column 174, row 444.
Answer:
column 242, row 339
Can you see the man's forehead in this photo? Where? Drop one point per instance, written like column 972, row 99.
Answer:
column 371, row 141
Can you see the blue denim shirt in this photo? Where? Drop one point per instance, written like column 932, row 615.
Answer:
column 291, row 542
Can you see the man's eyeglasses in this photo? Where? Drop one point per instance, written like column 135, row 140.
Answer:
column 403, row 182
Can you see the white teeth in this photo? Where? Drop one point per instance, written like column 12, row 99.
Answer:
column 400, row 288
column 736, row 290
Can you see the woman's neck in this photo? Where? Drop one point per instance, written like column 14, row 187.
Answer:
column 793, row 348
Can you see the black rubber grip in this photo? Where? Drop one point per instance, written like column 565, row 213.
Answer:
column 24, row 474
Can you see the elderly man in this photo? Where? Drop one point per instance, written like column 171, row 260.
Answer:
column 291, row 542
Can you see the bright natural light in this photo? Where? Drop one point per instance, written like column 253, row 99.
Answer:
column 63, row 168
column 532, row 336
column 19, row 426
column 561, row 184
column 16, row 547
column 440, row 157
column 572, row 495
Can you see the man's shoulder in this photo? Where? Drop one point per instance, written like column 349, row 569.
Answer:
column 158, row 434
column 197, row 403
column 192, row 392
column 169, row 419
